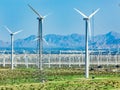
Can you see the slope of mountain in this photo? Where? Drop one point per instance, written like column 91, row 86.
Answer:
column 109, row 40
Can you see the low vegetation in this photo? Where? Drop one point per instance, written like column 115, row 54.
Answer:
column 59, row 79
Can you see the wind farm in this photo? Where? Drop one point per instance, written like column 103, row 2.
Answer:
column 62, row 53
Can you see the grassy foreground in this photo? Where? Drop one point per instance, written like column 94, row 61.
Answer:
column 58, row 79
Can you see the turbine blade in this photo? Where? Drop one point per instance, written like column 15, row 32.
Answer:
column 45, row 41
column 34, row 11
column 42, row 39
column 35, row 39
column 17, row 32
column 80, row 13
column 8, row 29
column 94, row 13
column 89, row 29
column 45, row 16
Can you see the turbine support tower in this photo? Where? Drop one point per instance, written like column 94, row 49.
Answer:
column 86, row 49
column 12, row 39
column 40, row 43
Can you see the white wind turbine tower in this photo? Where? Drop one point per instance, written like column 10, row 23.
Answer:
column 12, row 46
column 40, row 37
column 87, row 27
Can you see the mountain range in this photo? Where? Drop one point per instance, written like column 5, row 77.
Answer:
column 72, row 41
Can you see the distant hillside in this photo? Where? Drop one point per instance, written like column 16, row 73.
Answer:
column 109, row 40
column 72, row 41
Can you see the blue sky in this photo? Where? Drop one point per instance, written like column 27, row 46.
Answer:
column 63, row 19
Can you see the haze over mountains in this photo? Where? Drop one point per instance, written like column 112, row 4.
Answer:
column 72, row 41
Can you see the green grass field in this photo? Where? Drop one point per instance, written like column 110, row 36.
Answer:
column 58, row 79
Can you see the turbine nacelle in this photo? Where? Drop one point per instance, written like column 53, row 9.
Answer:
column 85, row 18
column 40, row 18
column 11, row 34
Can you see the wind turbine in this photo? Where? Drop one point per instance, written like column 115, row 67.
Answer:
column 40, row 37
column 12, row 46
column 87, row 27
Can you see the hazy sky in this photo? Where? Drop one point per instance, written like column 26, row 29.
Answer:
column 63, row 19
